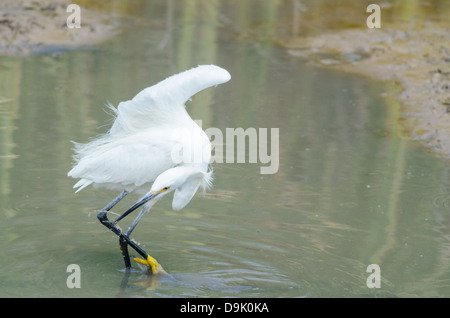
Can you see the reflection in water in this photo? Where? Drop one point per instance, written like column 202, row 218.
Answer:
column 350, row 190
column 215, row 283
column 188, row 284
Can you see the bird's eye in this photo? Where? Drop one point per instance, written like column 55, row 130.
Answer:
column 166, row 188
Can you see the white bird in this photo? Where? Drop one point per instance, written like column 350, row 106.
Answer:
column 153, row 145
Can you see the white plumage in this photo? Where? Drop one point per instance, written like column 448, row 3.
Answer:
column 139, row 148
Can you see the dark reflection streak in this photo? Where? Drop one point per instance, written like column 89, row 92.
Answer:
column 124, row 283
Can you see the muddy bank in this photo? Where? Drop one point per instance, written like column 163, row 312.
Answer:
column 414, row 56
column 28, row 27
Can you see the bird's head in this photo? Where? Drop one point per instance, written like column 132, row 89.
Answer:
column 185, row 180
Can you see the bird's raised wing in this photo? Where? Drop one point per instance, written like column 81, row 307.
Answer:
column 164, row 102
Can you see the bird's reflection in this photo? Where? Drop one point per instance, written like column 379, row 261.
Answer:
column 146, row 280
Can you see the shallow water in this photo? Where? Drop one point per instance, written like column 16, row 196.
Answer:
column 350, row 190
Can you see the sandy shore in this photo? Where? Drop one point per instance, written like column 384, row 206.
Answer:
column 415, row 57
column 35, row 26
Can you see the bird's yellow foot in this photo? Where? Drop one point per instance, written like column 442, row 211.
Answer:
column 150, row 262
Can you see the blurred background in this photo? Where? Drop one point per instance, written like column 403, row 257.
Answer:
column 352, row 189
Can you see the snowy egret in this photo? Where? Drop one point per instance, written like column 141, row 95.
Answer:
column 137, row 153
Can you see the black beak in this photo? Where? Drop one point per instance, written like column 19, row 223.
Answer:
column 149, row 196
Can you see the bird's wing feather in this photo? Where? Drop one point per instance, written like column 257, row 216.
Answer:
column 124, row 163
column 164, row 102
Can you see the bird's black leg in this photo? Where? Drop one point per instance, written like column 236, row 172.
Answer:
column 124, row 248
column 102, row 216
column 124, row 239
column 111, row 204
column 123, row 242
column 135, row 222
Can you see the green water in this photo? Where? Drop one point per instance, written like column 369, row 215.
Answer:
column 350, row 191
